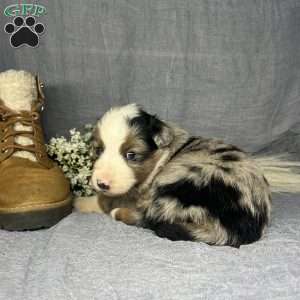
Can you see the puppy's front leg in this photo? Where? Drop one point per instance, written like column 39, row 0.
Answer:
column 87, row 204
column 128, row 216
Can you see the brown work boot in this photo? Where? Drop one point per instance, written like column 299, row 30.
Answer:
column 34, row 192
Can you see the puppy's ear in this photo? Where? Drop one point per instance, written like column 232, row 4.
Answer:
column 153, row 129
column 96, row 143
column 164, row 136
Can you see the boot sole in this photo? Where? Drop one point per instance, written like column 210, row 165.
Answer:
column 35, row 219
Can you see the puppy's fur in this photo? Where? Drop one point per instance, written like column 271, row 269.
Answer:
column 180, row 186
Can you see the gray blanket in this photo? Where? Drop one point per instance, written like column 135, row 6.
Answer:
column 93, row 257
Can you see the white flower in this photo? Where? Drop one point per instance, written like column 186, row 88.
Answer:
column 74, row 156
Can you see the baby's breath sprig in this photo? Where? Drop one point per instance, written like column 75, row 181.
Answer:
column 74, row 156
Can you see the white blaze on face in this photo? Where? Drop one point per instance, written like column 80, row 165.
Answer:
column 111, row 167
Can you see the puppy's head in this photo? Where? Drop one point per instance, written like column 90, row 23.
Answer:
column 128, row 142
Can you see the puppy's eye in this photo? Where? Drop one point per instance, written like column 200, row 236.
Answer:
column 131, row 156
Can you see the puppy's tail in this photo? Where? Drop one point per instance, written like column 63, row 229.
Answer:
column 282, row 174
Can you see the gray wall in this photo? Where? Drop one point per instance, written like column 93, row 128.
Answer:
column 221, row 68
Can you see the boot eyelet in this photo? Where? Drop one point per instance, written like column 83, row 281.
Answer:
column 35, row 116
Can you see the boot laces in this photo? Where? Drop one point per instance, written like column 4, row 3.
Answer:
column 8, row 121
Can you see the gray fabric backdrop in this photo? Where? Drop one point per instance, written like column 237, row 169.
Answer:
column 221, row 68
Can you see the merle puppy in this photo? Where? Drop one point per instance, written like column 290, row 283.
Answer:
column 151, row 173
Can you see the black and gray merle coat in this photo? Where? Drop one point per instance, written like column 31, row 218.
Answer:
column 207, row 191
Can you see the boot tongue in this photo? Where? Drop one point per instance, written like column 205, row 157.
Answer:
column 18, row 92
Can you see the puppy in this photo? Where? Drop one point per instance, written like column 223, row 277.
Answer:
column 151, row 173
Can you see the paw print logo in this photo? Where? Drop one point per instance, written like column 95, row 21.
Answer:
column 24, row 32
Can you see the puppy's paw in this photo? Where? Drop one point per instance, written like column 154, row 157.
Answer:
column 87, row 204
column 125, row 215
column 114, row 213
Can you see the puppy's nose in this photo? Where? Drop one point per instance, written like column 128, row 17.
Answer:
column 103, row 185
